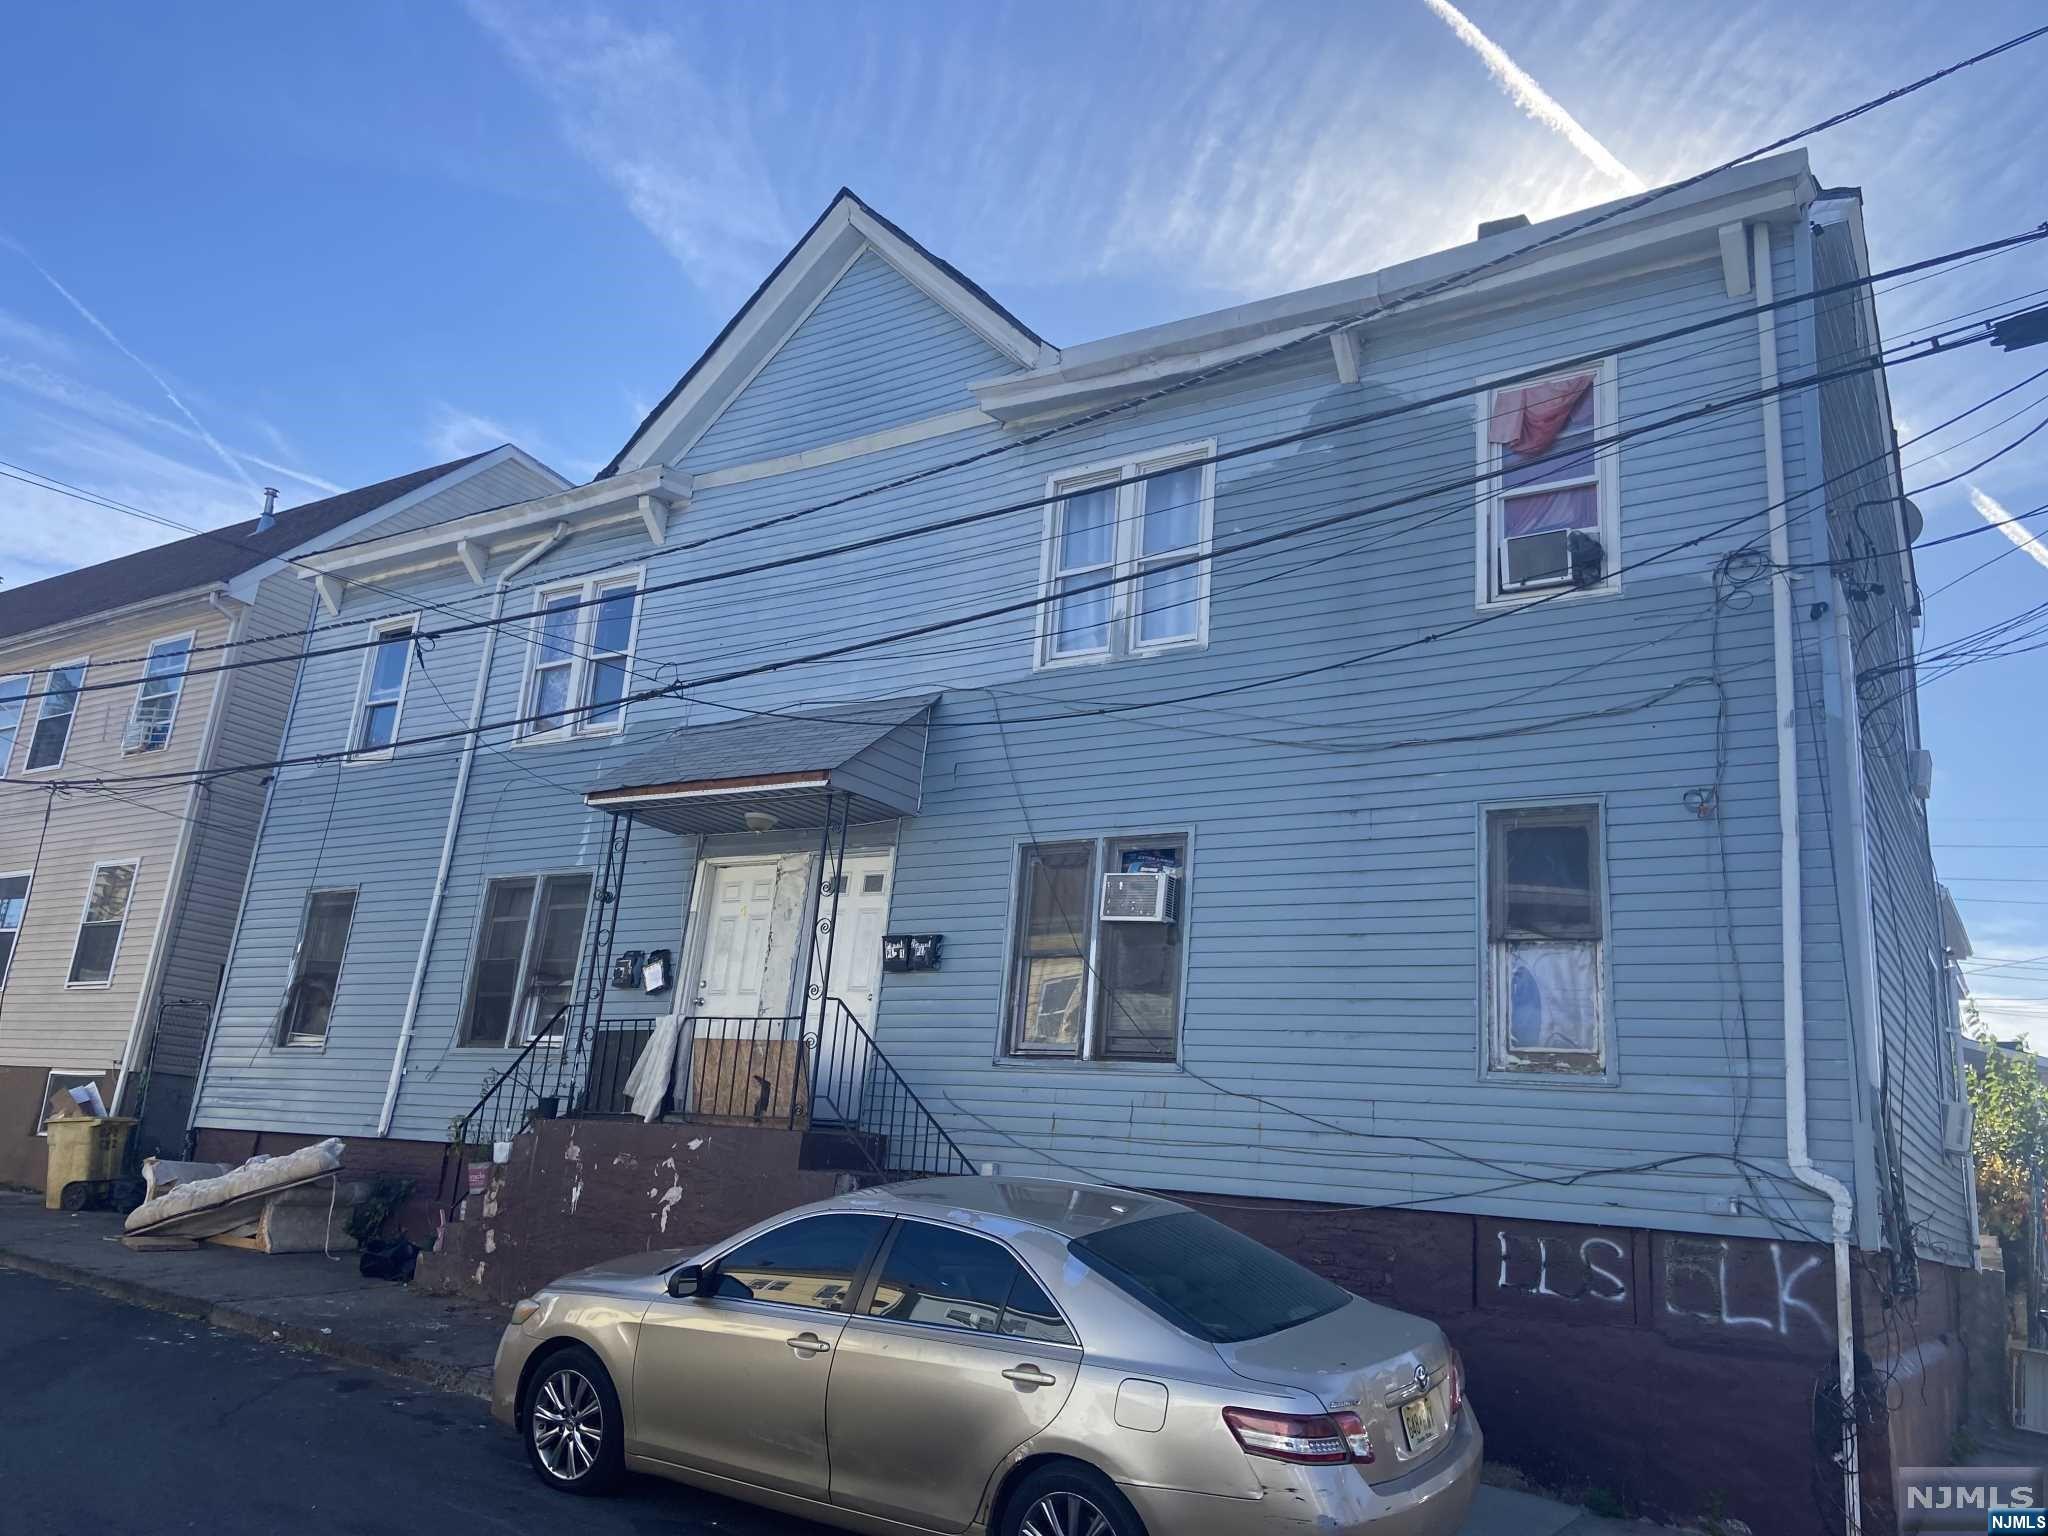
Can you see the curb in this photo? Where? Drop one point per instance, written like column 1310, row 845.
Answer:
column 471, row 1382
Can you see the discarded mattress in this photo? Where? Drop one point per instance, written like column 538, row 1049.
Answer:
column 206, row 1206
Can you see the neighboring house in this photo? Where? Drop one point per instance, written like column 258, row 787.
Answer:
column 1513, row 899
column 116, row 904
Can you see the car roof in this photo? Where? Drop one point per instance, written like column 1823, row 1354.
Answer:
column 1057, row 1205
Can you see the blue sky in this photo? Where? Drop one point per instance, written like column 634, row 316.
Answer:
column 312, row 247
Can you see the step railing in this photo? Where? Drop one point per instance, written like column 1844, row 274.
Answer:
column 823, row 1074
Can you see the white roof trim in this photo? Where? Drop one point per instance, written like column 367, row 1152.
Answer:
column 1777, row 187
column 618, row 499
column 772, row 316
column 244, row 585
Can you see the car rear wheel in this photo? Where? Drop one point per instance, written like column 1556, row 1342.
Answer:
column 1069, row 1500
column 574, row 1431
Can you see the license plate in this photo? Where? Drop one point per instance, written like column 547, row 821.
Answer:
column 1419, row 1422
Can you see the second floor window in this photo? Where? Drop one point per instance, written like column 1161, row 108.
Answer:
column 383, row 699
column 13, row 690
column 156, row 699
column 1119, row 577
column 59, row 707
column 101, row 924
column 13, row 908
column 581, row 658
column 527, row 948
column 1548, row 505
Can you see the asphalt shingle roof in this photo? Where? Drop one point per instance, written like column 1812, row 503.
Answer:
column 199, row 561
column 793, row 742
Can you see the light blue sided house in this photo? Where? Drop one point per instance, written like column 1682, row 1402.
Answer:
column 1425, row 767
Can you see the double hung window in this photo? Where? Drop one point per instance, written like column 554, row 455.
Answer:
column 1122, row 573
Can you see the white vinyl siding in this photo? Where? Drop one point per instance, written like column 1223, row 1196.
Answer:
column 156, row 697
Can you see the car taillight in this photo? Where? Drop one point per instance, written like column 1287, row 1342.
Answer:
column 1312, row 1439
column 1457, row 1384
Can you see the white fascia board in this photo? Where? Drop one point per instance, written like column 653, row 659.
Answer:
column 773, row 317
column 67, row 632
column 244, row 586
column 583, row 506
column 1776, row 189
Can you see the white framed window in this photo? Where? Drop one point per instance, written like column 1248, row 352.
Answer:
column 156, row 696
column 381, row 702
column 13, row 690
column 59, row 1081
column 1116, row 575
column 13, row 908
column 1546, row 1008
column 580, row 657
column 54, row 715
column 523, row 971
column 324, row 928
column 101, row 922
column 1549, row 505
column 1083, row 989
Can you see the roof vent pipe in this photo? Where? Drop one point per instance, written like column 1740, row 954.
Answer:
column 1502, row 226
column 268, row 520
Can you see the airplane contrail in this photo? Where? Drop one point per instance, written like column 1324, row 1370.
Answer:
column 1524, row 92
column 234, row 464
column 1996, row 515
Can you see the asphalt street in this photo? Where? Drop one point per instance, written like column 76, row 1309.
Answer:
column 127, row 1422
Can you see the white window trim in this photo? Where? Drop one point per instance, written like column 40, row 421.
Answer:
column 85, row 906
column 190, row 638
column 516, row 1038
column 29, row 875
column 86, row 1074
column 1127, row 531
column 582, row 649
column 379, row 631
column 1607, row 475
column 27, row 679
column 280, row 1039
column 1007, row 1055
column 1496, row 1062
column 84, row 664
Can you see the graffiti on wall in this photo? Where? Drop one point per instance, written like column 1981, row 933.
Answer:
column 1567, row 1267
column 1701, row 1285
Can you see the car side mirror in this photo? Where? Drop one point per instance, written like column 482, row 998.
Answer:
column 689, row 1280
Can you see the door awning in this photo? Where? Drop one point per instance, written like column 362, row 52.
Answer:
column 863, row 760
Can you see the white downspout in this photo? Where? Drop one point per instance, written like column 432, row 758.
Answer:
column 1785, row 701
column 440, row 896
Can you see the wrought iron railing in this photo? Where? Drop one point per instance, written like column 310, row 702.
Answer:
column 823, row 1075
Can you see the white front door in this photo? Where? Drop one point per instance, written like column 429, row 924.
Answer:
column 732, row 958
column 856, row 974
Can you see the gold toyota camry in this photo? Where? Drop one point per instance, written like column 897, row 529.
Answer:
column 1022, row 1357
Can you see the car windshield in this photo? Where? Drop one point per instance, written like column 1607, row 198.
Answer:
column 1204, row 1278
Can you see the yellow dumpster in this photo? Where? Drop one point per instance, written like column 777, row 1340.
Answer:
column 83, row 1148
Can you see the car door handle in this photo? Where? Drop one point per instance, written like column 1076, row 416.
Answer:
column 809, row 1344
column 1029, row 1376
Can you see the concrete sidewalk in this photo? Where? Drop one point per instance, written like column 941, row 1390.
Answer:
column 312, row 1302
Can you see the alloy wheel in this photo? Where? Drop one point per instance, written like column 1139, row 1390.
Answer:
column 1066, row 1514
column 568, row 1424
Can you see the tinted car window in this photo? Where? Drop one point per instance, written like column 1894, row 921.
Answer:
column 1031, row 1314
column 1204, row 1278
column 938, row 1275
column 809, row 1263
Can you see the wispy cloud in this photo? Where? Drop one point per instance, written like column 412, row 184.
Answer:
column 234, row 465
column 1524, row 92
column 1996, row 515
column 633, row 102
column 454, row 433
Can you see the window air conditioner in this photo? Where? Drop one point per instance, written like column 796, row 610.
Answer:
column 1955, row 1127
column 1143, row 896
column 1921, row 764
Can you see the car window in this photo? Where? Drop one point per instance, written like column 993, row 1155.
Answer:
column 1031, row 1314
column 808, row 1263
column 1207, row 1279
column 939, row 1275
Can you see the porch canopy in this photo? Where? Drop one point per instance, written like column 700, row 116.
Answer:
column 858, row 761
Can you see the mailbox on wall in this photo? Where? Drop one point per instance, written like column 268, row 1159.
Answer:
column 912, row 951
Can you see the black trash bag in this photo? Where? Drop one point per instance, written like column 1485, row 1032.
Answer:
column 391, row 1258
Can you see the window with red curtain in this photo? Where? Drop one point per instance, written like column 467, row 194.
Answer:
column 1549, row 482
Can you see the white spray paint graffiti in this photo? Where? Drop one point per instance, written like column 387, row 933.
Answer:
column 669, row 1199
column 1703, row 1264
column 1599, row 1282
